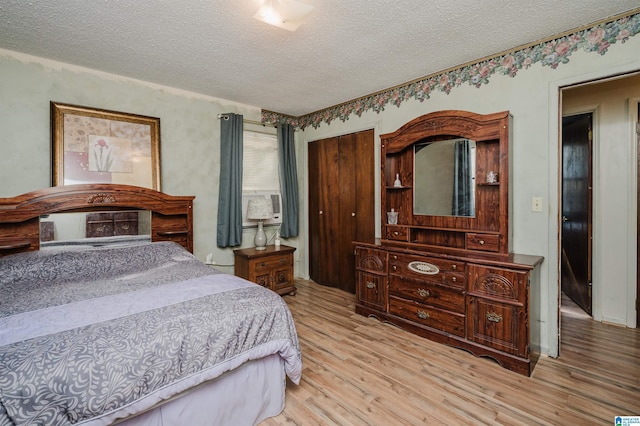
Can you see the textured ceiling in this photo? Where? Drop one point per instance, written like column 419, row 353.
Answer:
column 346, row 48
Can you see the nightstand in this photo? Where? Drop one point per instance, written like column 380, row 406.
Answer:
column 271, row 268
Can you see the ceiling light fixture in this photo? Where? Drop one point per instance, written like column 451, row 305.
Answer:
column 285, row 14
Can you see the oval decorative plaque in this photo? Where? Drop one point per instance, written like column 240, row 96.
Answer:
column 424, row 268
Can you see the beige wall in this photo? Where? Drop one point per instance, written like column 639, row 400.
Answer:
column 190, row 148
column 532, row 97
column 189, row 132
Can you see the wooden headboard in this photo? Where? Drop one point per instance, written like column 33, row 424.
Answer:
column 171, row 216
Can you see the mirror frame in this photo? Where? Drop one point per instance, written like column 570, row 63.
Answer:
column 492, row 135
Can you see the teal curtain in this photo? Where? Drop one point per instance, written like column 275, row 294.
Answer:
column 463, row 197
column 288, row 181
column 229, row 232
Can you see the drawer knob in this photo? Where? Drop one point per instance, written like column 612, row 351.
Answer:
column 481, row 242
column 396, row 233
column 453, row 266
column 423, row 293
column 282, row 260
column 395, row 268
column 453, row 279
column 494, row 317
column 371, row 285
column 422, row 314
column 261, row 263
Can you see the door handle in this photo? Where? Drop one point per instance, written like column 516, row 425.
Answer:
column 565, row 219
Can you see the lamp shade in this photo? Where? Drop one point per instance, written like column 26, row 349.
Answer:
column 260, row 209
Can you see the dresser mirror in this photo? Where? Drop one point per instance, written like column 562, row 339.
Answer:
column 95, row 228
column 444, row 178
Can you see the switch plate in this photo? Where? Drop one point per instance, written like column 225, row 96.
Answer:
column 536, row 204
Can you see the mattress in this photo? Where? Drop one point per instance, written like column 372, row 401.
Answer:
column 90, row 336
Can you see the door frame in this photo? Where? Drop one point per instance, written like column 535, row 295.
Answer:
column 550, row 302
column 634, row 191
column 596, row 253
column 594, row 148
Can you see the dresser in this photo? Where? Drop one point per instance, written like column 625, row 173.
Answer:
column 444, row 267
column 480, row 305
column 271, row 268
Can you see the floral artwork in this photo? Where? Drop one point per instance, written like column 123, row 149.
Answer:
column 108, row 154
column 98, row 146
column 551, row 53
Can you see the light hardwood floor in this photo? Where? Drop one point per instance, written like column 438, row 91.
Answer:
column 359, row 371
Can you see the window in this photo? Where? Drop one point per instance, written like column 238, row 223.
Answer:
column 260, row 164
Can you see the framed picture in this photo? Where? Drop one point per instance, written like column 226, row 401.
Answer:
column 97, row 146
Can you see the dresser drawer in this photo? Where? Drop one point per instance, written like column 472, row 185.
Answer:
column 397, row 233
column 484, row 242
column 508, row 285
column 282, row 279
column 430, row 269
column 371, row 260
column 449, row 322
column 371, row 290
column 178, row 238
column 271, row 263
column 125, row 227
column 430, row 294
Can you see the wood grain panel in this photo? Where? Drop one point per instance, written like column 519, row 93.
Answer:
column 172, row 216
column 341, row 205
column 491, row 132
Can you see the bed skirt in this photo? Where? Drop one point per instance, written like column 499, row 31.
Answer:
column 244, row 396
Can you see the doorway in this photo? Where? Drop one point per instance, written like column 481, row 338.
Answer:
column 577, row 224
column 613, row 232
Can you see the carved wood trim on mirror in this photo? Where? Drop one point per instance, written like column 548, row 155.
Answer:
column 484, row 226
column 20, row 226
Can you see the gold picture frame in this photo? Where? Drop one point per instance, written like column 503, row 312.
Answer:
column 92, row 145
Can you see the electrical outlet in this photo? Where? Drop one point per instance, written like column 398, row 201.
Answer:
column 536, row 204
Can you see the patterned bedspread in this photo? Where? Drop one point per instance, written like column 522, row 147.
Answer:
column 86, row 333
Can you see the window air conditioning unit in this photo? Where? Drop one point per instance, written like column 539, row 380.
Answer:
column 276, row 201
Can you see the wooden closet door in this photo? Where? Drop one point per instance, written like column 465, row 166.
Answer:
column 323, row 184
column 364, row 167
column 346, row 220
column 341, row 205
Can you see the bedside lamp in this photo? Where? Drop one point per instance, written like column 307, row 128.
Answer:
column 260, row 209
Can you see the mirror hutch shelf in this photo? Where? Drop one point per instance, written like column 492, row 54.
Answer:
column 444, row 267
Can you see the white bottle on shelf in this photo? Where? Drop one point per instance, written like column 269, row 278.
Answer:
column 392, row 217
column 397, row 181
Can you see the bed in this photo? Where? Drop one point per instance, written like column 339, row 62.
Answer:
column 132, row 332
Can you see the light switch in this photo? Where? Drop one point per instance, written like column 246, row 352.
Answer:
column 536, row 204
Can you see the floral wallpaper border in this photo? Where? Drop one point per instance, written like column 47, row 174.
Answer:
column 550, row 53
